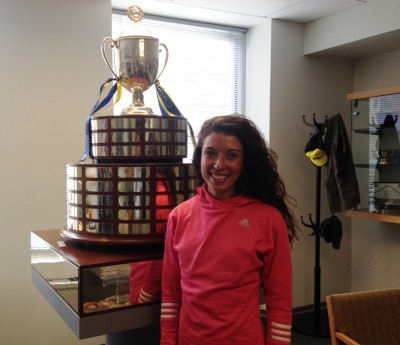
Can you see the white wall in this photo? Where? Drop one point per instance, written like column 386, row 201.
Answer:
column 377, row 71
column 373, row 18
column 302, row 85
column 258, row 74
column 51, row 70
column 375, row 246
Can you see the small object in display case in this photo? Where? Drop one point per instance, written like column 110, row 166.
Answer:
column 387, row 195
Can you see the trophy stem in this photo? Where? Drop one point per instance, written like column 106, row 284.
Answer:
column 137, row 107
column 137, row 97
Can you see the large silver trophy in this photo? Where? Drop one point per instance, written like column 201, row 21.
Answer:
column 138, row 63
column 137, row 174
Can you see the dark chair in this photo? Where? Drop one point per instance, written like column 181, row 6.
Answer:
column 365, row 318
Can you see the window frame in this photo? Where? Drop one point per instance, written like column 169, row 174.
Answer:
column 233, row 98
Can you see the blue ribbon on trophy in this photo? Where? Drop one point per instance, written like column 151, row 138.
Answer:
column 169, row 108
column 99, row 105
column 166, row 104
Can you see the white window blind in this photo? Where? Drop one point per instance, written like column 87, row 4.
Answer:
column 205, row 72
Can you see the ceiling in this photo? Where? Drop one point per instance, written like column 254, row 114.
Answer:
column 241, row 13
column 248, row 13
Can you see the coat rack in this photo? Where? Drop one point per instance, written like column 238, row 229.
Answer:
column 315, row 323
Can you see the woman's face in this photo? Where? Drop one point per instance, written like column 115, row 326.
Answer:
column 221, row 164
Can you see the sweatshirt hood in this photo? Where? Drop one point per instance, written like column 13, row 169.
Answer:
column 207, row 200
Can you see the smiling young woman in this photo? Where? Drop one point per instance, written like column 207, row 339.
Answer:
column 224, row 243
column 221, row 164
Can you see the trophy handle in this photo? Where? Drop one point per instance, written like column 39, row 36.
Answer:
column 166, row 59
column 112, row 45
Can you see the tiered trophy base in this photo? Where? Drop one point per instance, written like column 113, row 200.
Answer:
column 124, row 203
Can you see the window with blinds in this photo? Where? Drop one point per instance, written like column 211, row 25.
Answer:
column 205, row 72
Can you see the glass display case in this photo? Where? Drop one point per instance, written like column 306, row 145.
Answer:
column 376, row 153
column 89, row 285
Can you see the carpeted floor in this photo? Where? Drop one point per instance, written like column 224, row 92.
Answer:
column 303, row 331
column 125, row 338
column 301, row 339
column 150, row 335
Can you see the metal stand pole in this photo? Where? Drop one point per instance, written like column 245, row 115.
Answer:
column 314, row 323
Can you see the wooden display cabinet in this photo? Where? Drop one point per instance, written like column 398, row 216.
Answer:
column 89, row 286
column 375, row 129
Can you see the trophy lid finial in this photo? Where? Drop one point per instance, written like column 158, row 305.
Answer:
column 135, row 13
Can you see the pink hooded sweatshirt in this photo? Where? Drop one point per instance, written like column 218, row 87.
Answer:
column 217, row 255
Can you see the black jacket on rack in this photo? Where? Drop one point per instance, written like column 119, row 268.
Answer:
column 341, row 181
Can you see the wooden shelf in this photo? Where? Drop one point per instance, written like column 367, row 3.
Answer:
column 373, row 93
column 390, row 217
column 373, row 131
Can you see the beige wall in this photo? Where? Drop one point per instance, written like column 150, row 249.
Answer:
column 359, row 26
column 302, row 85
column 258, row 75
column 51, row 70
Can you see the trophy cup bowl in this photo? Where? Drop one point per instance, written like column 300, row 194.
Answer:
column 138, row 67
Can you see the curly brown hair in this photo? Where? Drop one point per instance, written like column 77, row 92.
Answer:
column 259, row 178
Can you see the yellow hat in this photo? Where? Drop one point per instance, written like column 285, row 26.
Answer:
column 317, row 157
